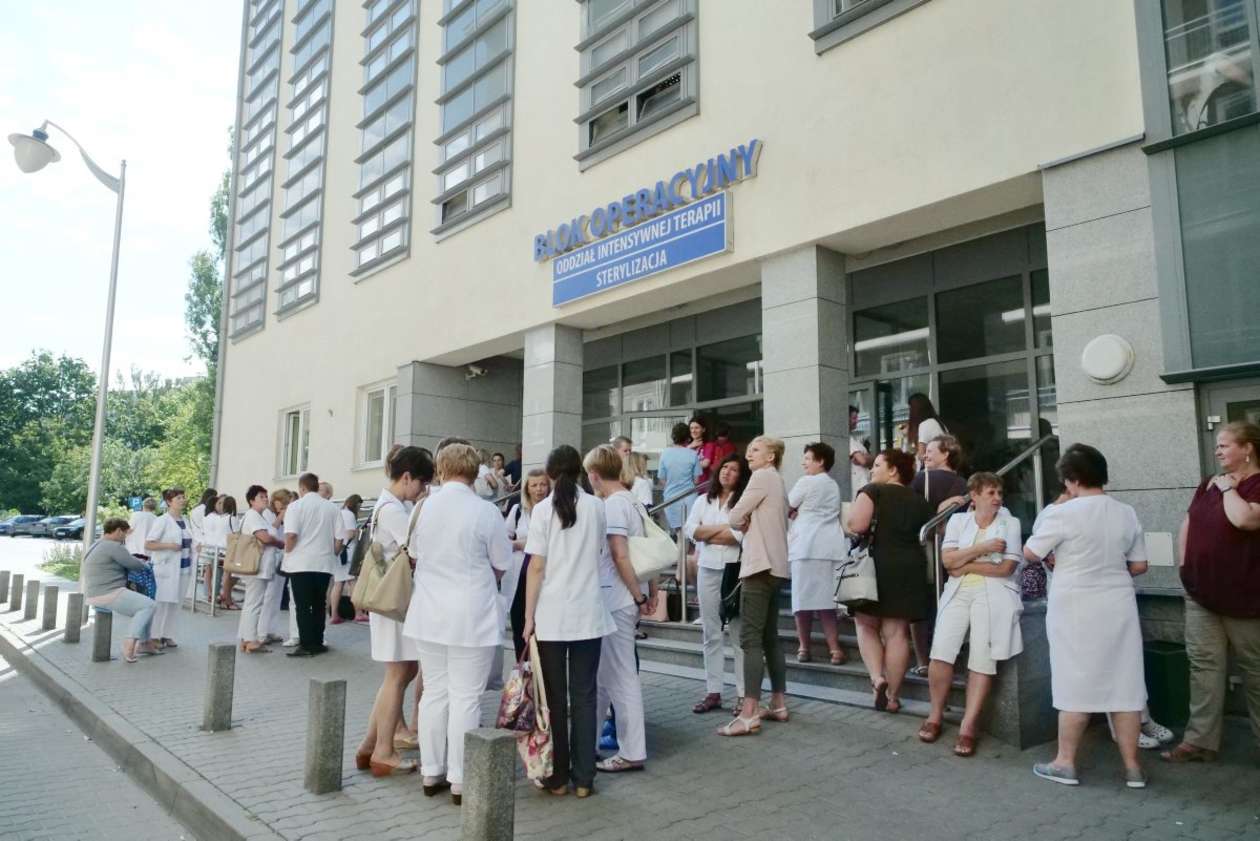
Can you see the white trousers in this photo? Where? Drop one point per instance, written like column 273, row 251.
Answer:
column 269, row 622
column 165, row 614
column 251, row 612
column 709, row 585
column 293, row 628
column 618, row 684
column 454, row 678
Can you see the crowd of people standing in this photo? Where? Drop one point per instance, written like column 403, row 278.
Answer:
column 556, row 566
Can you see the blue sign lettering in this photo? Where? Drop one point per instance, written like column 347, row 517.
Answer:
column 665, row 242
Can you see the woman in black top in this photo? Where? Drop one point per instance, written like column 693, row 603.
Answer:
column 896, row 513
column 939, row 483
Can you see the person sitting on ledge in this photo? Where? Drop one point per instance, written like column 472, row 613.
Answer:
column 103, row 576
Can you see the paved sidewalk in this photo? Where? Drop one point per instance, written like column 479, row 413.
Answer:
column 57, row 785
column 834, row 772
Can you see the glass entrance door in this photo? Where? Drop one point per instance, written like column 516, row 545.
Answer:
column 1238, row 400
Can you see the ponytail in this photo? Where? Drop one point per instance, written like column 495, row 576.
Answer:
column 564, row 465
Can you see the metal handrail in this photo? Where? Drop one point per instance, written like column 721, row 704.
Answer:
column 681, row 573
column 679, row 497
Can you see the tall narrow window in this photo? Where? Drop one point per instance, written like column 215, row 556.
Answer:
column 383, row 218
column 377, row 423
column 475, row 146
column 255, row 156
column 302, row 228
column 295, row 441
column 638, row 72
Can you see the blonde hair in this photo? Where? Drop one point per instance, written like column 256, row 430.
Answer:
column 1243, row 434
column 776, row 447
column 606, row 463
column 458, row 460
column 527, row 502
column 638, row 465
column 279, row 499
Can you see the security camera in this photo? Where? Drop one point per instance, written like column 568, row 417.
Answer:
column 475, row 371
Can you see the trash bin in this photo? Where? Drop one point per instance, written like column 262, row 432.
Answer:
column 1167, row 682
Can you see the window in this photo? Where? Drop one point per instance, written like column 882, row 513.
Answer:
column 638, row 67
column 891, row 338
column 254, row 162
column 295, row 441
column 308, row 116
column 729, row 369
column 383, row 225
column 1209, row 47
column 377, row 424
column 837, row 21
column 980, row 320
column 475, row 148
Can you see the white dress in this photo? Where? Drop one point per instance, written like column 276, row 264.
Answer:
column 815, row 542
column 1091, row 614
column 388, row 643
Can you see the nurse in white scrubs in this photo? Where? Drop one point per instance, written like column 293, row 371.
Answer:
column 816, row 543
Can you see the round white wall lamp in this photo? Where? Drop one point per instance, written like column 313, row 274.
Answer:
column 1107, row 358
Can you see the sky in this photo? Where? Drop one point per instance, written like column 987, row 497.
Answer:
column 151, row 81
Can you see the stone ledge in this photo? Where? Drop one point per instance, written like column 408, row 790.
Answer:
column 191, row 799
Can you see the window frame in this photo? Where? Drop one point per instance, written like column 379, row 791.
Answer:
column 832, row 28
column 388, row 391
column 301, row 413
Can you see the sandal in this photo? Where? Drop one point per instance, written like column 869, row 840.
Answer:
column 129, row 656
column 712, row 701
column 802, row 655
column 838, row 657
column 362, row 761
column 383, row 769
column 894, row 705
column 919, row 671
column 965, row 746
column 740, row 726
column 929, row 732
column 779, row 714
column 881, row 695
column 617, row 765
column 407, row 742
column 1186, row 752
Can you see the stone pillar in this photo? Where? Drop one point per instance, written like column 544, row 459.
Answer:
column 102, row 630
column 436, row 401
column 74, row 615
column 4, row 585
column 50, row 607
column 489, row 801
column 551, row 404
column 1100, row 249
column 805, row 337
column 1020, row 712
column 325, row 735
column 220, row 680
column 32, row 600
column 15, row 594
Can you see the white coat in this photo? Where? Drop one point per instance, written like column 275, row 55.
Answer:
column 166, row 561
column 141, row 522
column 814, row 533
column 1005, row 604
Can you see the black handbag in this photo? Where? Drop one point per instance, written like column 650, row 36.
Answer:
column 732, row 589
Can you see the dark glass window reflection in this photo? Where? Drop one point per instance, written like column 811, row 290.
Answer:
column 892, row 337
column 729, row 369
column 980, row 320
column 599, row 392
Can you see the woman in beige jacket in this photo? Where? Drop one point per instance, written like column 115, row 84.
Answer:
column 762, row 515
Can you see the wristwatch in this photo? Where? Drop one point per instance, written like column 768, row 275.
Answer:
column 641, row 600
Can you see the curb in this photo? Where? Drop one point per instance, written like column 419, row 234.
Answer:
column 177, row 787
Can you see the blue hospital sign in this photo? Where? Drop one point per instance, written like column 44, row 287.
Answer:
column 682, row 219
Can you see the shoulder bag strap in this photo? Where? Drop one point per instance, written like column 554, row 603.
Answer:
column 411, row 523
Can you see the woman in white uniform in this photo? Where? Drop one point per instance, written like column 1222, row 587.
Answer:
column 717, row 544
column 410, row 472
column 271, row 628
column 341, row 569
column 617, row 679
column 461, row 549
column 252, row 637
column 512, row 586
column 1091, row 613
column 169, row 544
column 816, row 543
column 981, row 554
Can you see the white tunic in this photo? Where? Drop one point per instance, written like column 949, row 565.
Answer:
column 166, row 562
column 622, row 518
column 708, row 512
column 141, row 522
column 815, row 541
column 256, row 522
column 570, row 606
column 388, row 643
column 459, row 542
column 315, row 521
column 1005, row 604
column 214, row 531
column 1091, row 615
column 517, row 529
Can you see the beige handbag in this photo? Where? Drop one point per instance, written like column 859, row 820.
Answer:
column 384, row 585
column 654, row 552
column 244, row 554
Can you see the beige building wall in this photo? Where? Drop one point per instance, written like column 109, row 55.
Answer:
column 935, row 119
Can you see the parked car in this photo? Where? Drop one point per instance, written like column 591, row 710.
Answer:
column 73, row 530
column 21, row 524
column 46, row 526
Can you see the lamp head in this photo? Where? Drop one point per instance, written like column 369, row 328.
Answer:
column 32, row 152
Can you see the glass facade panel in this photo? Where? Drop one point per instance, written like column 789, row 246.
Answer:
column 980, row 320
column 893, row 409
column 375, row 426
column 599, row 392
column 680, row 378
column 729, row 369
column 1042, row 335
column 643, row 385
column 746, row 422
column 1218, row 189
column 651, row 435
column 891, row 338
column 1209, row 45
column 1047, row 424
column 594, row 434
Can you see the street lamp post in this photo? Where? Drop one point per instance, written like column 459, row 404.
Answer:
column 32, row 153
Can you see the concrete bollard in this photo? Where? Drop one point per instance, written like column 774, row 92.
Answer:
column 220, row 679
column 325, row 735
column 4, row 585
column 83, row 616
column 74, row 610
column 489, row 803
column 32, row 600
column 50, row 606
column 15, row 594
column 102, row 629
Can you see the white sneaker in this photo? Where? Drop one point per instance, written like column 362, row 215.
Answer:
column 1161, row 734
column 1146, row 742
column 290, row 642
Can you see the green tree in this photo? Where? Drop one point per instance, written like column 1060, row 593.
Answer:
column 137, row 410
column 183, row 459
column 124, row 473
